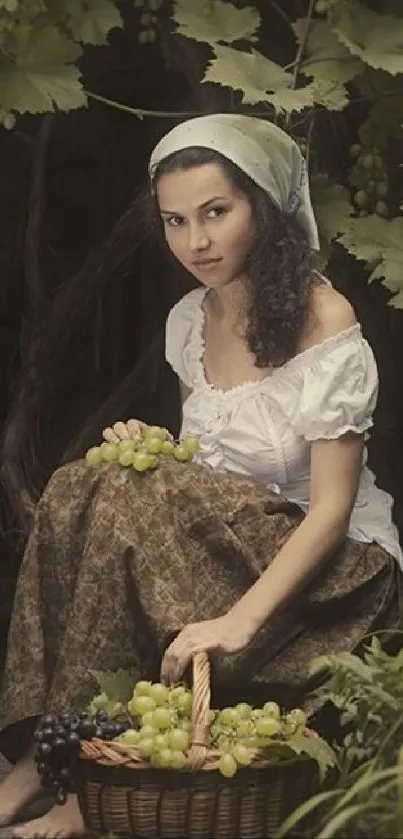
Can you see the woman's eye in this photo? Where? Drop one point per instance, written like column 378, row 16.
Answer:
column 174, row 221
column 216, row 212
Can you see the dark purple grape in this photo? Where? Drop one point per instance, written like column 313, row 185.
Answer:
column 45, row 749
column 73, row 740
column 86, row 729
column 48, row 734
column 98, row 732
column 65, row 774
column 102, row 716
column 61, row 796
column 38, row 735
column 42, row 768
column 59, row 745
column 48, row 721
column 60, row 731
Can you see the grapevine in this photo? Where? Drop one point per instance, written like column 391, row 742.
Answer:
column 144, row 452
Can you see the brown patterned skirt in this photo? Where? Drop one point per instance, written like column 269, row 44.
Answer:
column 117, row 562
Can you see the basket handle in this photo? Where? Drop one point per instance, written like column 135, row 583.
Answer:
column 200, row 711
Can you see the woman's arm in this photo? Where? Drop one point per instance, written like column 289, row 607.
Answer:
column 335, row 469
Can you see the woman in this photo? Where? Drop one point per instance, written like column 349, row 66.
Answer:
column 275, row 544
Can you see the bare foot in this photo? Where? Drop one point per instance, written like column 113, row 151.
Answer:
column 19, row 788
column 62, row 822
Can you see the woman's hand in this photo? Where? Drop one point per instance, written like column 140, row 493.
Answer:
column 130, row 430
column 224, row 634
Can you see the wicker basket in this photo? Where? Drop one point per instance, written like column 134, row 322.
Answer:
column 122, row 795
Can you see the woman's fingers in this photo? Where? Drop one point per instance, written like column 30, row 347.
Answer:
column 130, row 430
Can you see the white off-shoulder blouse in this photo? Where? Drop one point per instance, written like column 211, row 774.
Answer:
column 262, row 430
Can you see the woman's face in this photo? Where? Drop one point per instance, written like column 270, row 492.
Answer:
column 207, row 221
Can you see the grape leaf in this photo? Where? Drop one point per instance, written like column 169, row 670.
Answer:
column 290, row 99
column 386, row 114
column 118, row 685
column 324, row 56
column 327, row 62
column 379, row 241
column 332, row 207
column 212, row 21
column 91, row 23
column 375, row 38
column 43, row 76
column 251, row 73
column 316, row 748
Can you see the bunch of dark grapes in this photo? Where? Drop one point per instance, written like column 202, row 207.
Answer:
column 58, row 745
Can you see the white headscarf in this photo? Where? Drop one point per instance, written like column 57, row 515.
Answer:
column 262, row 150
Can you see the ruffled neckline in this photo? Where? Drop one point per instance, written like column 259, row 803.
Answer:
column 311, row 353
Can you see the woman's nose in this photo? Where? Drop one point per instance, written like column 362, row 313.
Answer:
column 198, row 237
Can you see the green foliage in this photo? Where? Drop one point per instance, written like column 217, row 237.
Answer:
column 367, row 797
column 40, row 44
column 344, row 52
column 348, row 58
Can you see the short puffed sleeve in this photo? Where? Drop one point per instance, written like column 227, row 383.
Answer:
column 180, row 339
column 339, row 390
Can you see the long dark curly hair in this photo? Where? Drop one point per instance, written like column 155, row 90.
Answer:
column 279, row 265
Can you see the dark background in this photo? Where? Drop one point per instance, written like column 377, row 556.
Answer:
column 81, row 347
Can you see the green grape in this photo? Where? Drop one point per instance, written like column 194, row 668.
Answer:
column 367, row 161
column 147, row 731
column 9, row 121
column 184, row 703
column 143, row 37
column 153, row 461
column 227, row 765
column 228, row 716
column 355, row 150
column 167, row 447
column 10, row 5
column 126, row 446
column 243, row 710
column 146, row 746
column 192, row 444
column 181, row 452
column 139, row 4
column 145, row 18
column 178, row 740
column 154, row 431
column 130, row 737
column 161, row 741
column 140, row 461
column 178, row 759
column 267, row 726
column 242, row 754
column 378, row 161
column 382, row 189
column 154, row 5
column 159, row 693
column 382, row 209
column 152, row 36
column 165, row 757
column 126, row 458
column 94, row 456
column 162, row 718
column 147, row 718
column 110, row 452
column 271, row 709
column 153, row 445
column 361, row 198
column 370, row 186
column 140, row 704
column 184, row 724
column 245, row 728
column 142, row 688
column 299, row 716
column 321, row 7
column 288, row 726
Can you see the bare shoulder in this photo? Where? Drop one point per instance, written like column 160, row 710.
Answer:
column 331, row 313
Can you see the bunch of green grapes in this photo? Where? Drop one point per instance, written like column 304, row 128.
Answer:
column 145, row 452
column 148, row 19
column 370, row 179
column 162, row 728
column 239, row 731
